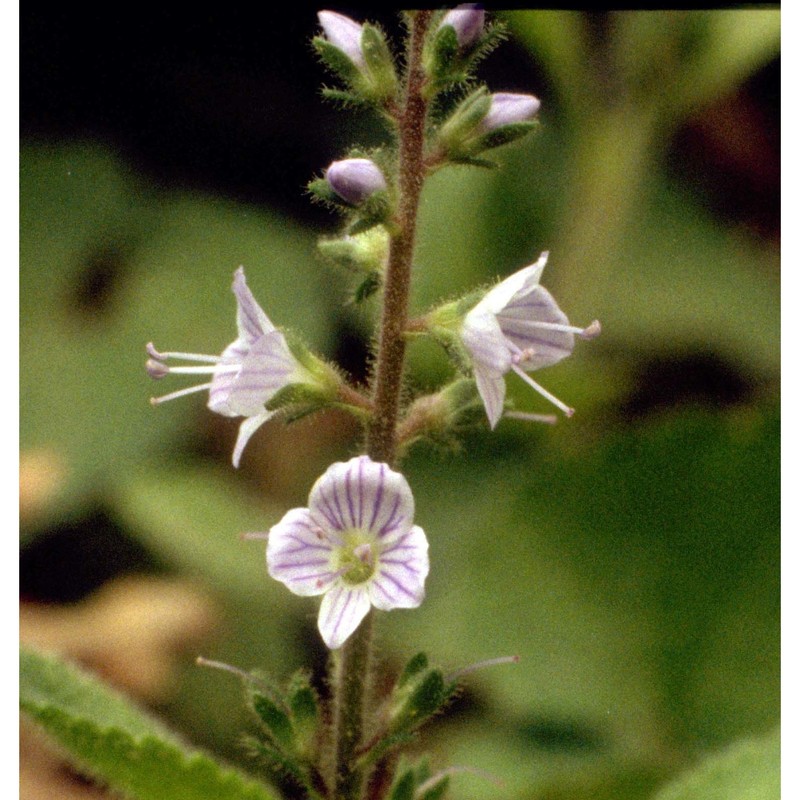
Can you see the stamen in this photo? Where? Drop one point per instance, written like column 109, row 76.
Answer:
column 522, row 355
column 547, row 419
column 489, row 662
column 211, row 369
column 155, row 369
column 207, row 662
column 246, row 537
column 434, row 779
column 591, row 330
column 155, row 401
column 557, row 326
column 151, row 350
column 543, row 392
column 364, row 553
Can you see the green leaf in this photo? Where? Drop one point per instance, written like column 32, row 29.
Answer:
column 275, row 719
column 404, row 786
column 417, row 664
column 748, row 770
column 303, row 702
column 117, row 743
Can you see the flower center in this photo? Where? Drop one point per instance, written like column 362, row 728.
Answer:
column 356, row 558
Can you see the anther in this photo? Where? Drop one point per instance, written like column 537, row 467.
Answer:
column 592, row 330
column 155, row 369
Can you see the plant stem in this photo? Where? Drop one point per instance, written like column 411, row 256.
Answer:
column 381, row 435
column 351, row 671
column 351, row 682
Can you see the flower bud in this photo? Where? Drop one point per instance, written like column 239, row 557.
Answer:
column 468, row 20
column 355, row 179
column 344, row 33
column 508, row 109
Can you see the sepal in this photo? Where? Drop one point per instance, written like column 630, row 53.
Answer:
column 337, row 61
column 420, row 693
column 448, row 64
column 383, row 84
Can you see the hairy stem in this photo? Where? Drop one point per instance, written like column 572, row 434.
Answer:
column 351, row 671
column 381, row 435
column 352, row 662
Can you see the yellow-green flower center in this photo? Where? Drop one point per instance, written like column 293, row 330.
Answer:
column 356, row 557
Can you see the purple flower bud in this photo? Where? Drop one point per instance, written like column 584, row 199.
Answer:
column 507, row 109
column 344, row 33
column 468, row 20
column 355, row 179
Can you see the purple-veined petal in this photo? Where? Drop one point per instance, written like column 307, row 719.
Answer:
column 399, row 579
column 267, row 368
column 517, row 285
column 248, row 427
column 250, row 317
column 340, row 613
column 299, row 555
column 492, row 389
column 518, row 323
column 363, row 495
column 482, row 336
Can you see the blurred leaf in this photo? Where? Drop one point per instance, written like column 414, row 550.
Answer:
column 192, row 517
column 749, row 770
column 737, row 43
column 614, row 569
column 107, row 265
column 117, row 743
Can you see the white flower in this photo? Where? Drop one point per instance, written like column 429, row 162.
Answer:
column 247, row 375
column 356, row 544
column 518, row 327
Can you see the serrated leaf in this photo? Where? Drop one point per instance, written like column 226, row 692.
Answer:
column 119, row 744
column 748, row 770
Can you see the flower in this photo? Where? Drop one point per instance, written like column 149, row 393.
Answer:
column 344, row 33
column 355, row 179
column 467, row 19
column 509, row 109
column 356, row 544
column 518, row 327
column 247, row 375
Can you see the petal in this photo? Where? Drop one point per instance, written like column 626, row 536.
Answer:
column 299, row 555
column 399, row 580
column 250, row 317
column 518, row 323
column 492, row 390
column 364, row 495
column 483, row 337
column 340, row 613
column 267, row 368
column 520, row 283
column 222, row 382
column 248, row 427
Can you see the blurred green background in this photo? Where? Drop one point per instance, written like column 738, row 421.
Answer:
column 629, row 555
